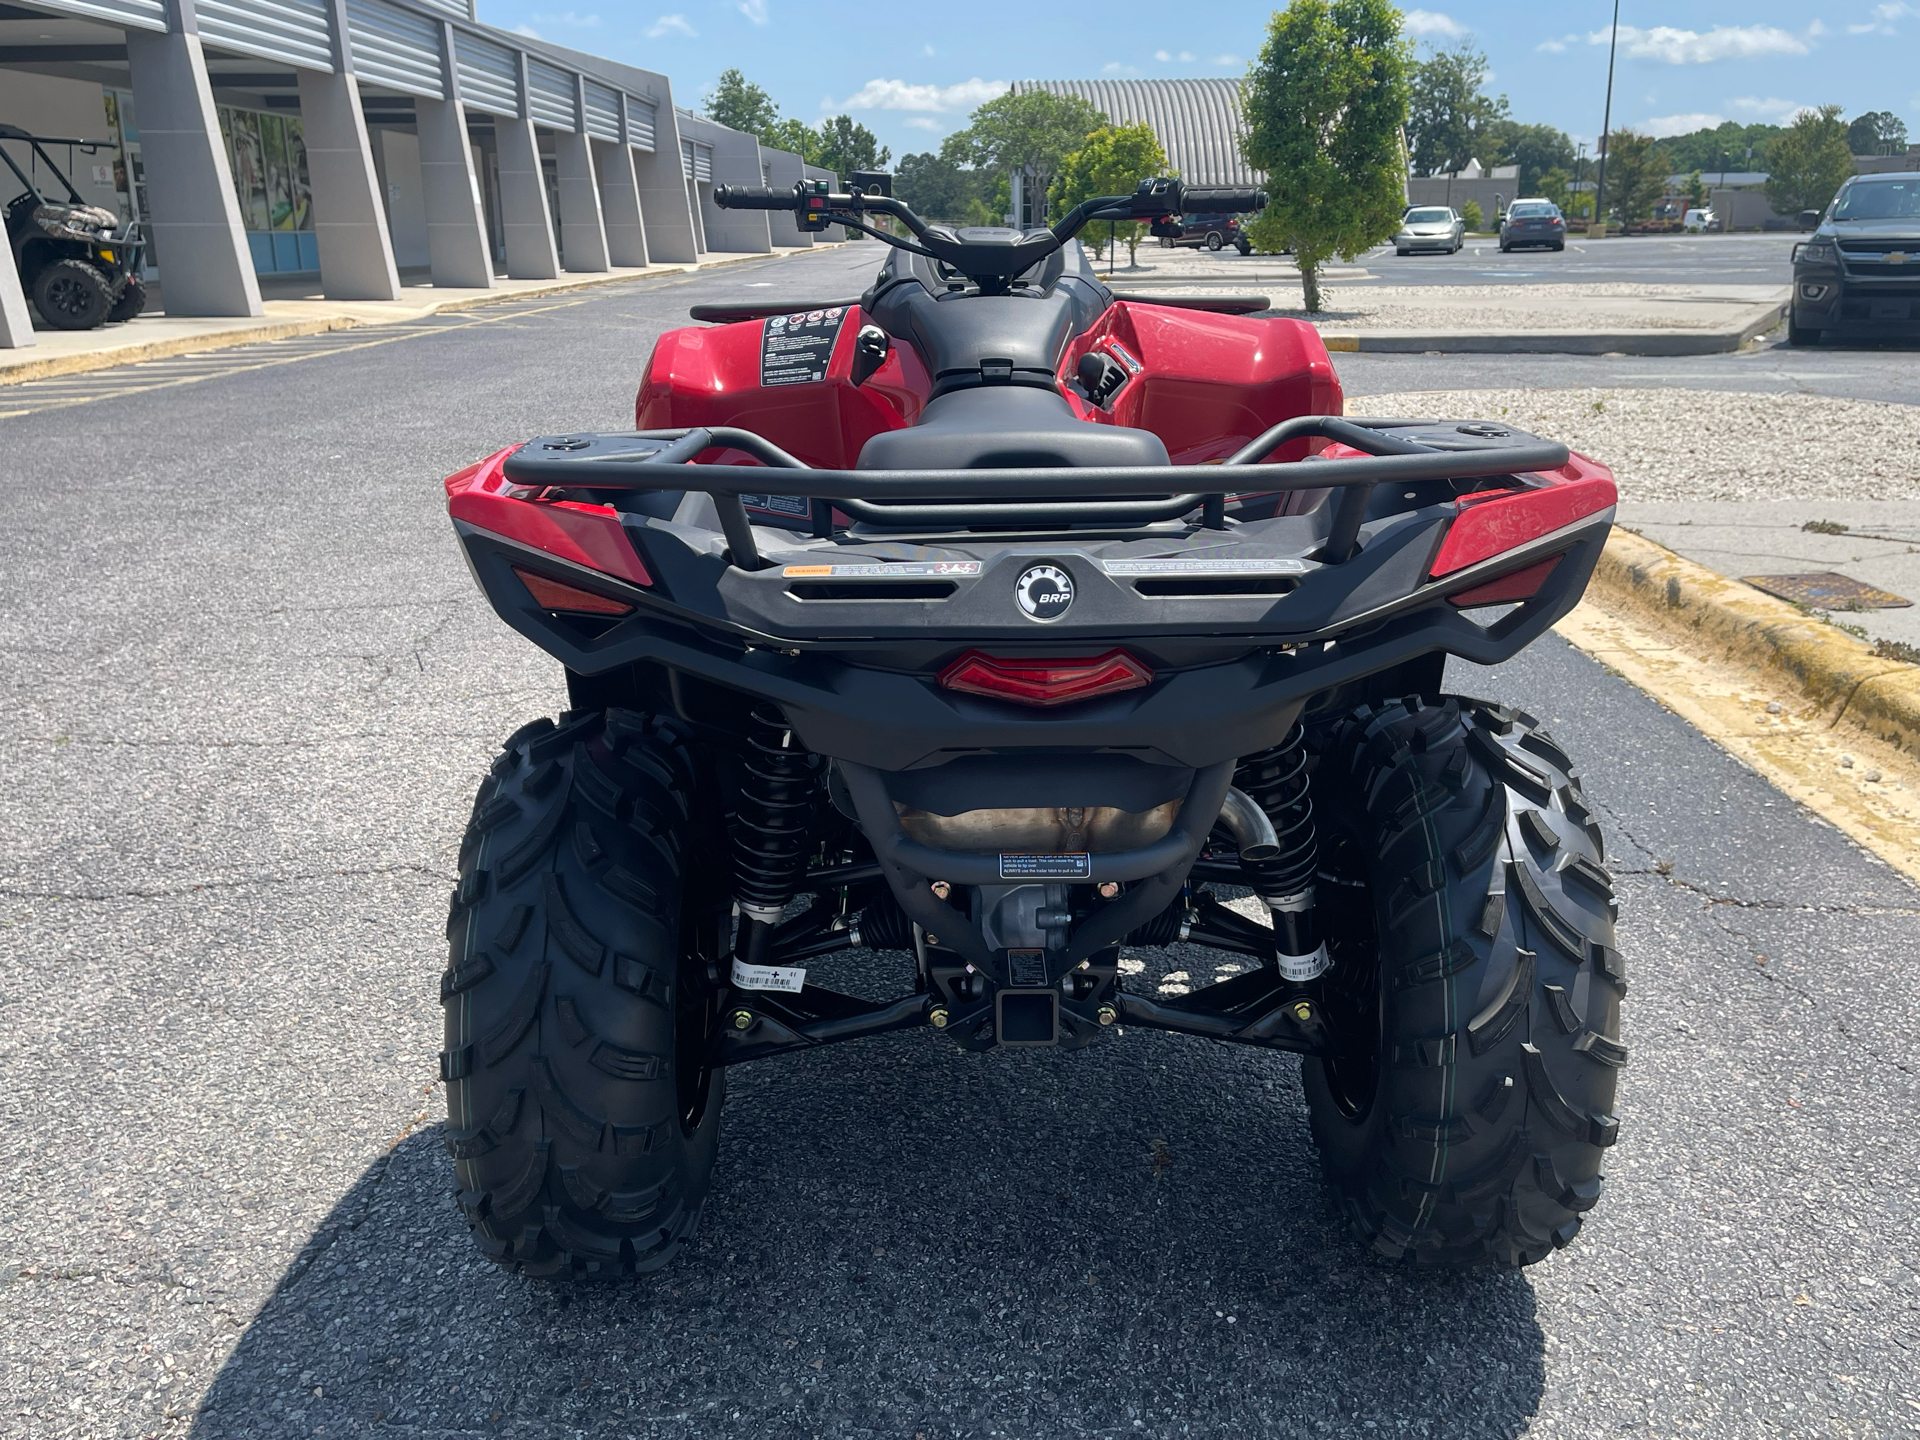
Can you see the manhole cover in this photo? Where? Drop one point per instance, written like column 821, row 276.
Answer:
column 1825, row 590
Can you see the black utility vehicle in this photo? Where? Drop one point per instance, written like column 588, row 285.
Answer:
column 76, row 260
column 1859, row 274
column 1215, row 232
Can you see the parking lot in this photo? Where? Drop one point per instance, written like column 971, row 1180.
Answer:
column 251, row 690
column 1627, row 259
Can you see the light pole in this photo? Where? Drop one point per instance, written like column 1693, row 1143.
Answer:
column 1606, row 127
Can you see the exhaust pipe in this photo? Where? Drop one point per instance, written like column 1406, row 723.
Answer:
column 1251, row 828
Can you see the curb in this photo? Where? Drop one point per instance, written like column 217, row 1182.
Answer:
column 285, row 329
column 1836, row 672
column 1563, row 342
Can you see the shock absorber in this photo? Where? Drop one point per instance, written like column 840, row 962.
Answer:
column 1276, row 780
column 779, row 788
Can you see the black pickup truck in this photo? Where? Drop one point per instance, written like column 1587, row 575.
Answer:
column 1859, row 273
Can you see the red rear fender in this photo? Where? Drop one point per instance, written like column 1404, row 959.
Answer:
column 589, row 535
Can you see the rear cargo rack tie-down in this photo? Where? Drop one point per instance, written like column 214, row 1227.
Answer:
column 1030, row 495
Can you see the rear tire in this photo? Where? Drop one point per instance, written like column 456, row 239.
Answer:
column 132, row 301
column 1475, row 958
column 1214, row 241
column 581, row 1114
column 71, row 295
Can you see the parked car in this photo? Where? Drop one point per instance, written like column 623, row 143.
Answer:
column 1533, row 222
column 1699, row 220
column 1430, row 227
column 1215, row 232
column 1860, row 271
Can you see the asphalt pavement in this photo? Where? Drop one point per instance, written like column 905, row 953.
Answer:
column 1763, row 259
column 251, row 690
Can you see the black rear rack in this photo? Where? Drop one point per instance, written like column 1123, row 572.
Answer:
column 1036, row 496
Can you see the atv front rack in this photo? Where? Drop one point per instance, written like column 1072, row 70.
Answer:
column 651, row 460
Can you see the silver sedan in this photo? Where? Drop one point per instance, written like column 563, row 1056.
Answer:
column 1430, row 227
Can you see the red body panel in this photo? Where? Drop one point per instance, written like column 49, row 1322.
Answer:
column 587, row 535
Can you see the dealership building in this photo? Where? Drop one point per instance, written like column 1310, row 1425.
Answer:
column 348, row 141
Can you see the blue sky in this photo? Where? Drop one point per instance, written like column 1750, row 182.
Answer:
column 912, row 72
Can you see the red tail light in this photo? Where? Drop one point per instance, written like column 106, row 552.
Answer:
column 551, row 594
column 1520, row 585
column 1496, row 521
column 1044, row 682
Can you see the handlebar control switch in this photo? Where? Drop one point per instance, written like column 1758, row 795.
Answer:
column 811, row 209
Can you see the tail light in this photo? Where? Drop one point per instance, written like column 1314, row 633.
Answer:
column 551, row 594
column 1495, row 521
column 1044, row 682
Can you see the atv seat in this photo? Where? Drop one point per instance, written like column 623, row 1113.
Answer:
column 1007, row 427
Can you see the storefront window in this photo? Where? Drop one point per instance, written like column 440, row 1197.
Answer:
column 268, row 156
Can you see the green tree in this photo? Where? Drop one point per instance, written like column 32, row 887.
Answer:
column 934, row 187
column 1636, row 174
column 1696, row 192
column 1449, row 113
column 1326, row 102
column 1878, row 132
column 795, row 136
column 846, row 146
column 1809, row 163
column 1729, row 146
column 1033, row 132
column 1557, row 185
column 1536, row 149
column 739, row 104
column 1113, row 161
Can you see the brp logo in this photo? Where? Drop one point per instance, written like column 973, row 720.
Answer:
column 1045, row 592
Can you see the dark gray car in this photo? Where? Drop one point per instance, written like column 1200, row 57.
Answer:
column 1533, row 222
column 1859, row 274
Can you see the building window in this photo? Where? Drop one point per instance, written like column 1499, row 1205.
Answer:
column 267, row 155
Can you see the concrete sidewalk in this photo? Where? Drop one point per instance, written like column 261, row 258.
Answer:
column 1575, row 319
column 298, row 308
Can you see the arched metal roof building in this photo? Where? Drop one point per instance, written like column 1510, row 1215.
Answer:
column 1197, row 121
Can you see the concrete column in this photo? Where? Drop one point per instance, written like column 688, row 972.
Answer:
column 523, row 203
column 784, row 170
column 206, row 268
column 456, row 218
column 583, row 235
column 671, row 238
column 699, row 214
column 350, row 223
column 620, row 203
column 16, row 322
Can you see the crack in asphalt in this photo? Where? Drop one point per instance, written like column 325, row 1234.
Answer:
column 10, row 892
column 1742, row 903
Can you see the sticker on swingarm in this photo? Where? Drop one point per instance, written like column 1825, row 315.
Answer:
column 790, row 978
column 795, row 349
column 884, row 572
column 1247, row 566
column 1046, row 867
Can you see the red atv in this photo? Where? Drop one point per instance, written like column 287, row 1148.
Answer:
column 993, row 625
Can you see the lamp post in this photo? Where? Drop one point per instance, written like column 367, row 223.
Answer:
column 1599, row 223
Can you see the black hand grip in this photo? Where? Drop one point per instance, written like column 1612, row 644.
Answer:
column 1224, row 202
column 753, row 197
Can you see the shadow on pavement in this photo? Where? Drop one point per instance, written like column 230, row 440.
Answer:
column 905, row 1241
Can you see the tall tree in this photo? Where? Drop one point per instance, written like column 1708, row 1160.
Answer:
column 936, row 188
column 1113, row 161
column 1326, row 102
column 1809, row 163
column 846, row 146
column 739, row 104
column 1536, row 149
column 1449, row 111
column 1032, row 132
column 1636, row 174
column 1878, row 132
column 1717, row 148
column 796, row 137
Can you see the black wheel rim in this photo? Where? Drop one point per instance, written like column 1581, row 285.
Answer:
column 69, row 296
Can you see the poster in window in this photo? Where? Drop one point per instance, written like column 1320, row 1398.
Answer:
column 297, row 174
column 250, row 171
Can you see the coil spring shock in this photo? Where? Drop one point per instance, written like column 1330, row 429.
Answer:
column 1276, row 780
column 779, row 790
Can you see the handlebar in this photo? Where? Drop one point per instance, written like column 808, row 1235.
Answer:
column 1224, row 202
column 752, row 197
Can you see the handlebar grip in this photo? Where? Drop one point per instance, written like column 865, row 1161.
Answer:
column 1224, row 202
column 753, row 197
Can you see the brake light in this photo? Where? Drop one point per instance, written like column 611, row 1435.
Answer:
column 1508, row 589
column 1495, row 521
column 1044, row 682
column 551, row 594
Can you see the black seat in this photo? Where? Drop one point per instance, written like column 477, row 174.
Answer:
column 1004, row 427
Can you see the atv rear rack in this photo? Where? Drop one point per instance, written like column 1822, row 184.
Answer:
column 1031, row 496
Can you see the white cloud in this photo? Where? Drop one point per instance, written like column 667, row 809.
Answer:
column 754, row 10
column 1690, row 47
column 923, row 122
column 1163, row 56
column 1773, row 111
column 1557, row 47
column 671, row 25
column 1228, row 60
column 1431, row 25
column 570, row 19
column 1661, row 126
column 927, row 48
column 528, row 31
column 900, row 95
column 1883, row 17
column 1115, row 67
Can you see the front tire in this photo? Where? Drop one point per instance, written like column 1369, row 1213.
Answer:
column 72, row 295
column 582, row 1114
column 1805, row 335
column 1475, row 965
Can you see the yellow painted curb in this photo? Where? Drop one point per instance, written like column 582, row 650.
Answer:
column 1737, row 622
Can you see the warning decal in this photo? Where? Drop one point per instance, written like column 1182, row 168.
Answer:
column 794, row 349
